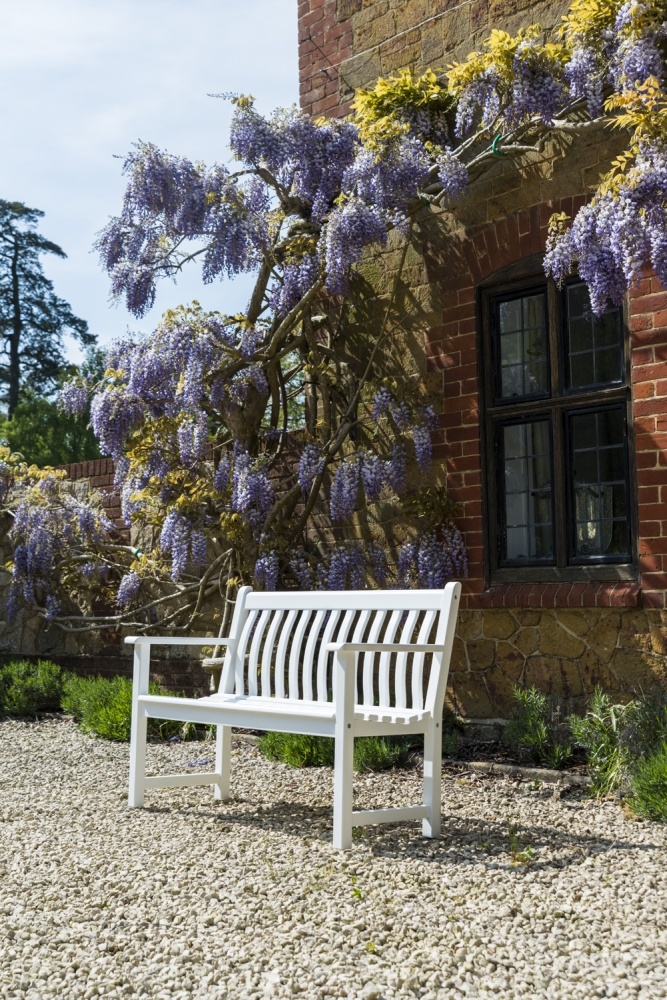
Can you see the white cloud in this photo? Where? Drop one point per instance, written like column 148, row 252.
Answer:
column 81, row 80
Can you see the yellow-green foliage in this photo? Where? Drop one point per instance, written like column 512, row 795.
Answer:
column 383, row 113
column 586, row 20
column 500, row 51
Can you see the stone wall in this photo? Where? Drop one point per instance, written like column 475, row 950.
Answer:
column 565, row 651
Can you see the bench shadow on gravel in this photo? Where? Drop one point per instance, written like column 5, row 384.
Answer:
column 464, row 840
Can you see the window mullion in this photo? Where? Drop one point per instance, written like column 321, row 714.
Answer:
column 560, row 487
column 555, row 327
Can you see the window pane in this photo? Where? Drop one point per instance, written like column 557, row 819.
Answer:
column 595, row 343
column 528, row 534
column 600, row 490
column 522, row 347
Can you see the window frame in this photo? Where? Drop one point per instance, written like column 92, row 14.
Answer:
column 528, row 275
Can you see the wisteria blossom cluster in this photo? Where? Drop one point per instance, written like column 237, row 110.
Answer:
column 433, row 558
column 49, row 522
column 621, row 232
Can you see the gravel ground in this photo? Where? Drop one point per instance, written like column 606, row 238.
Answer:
column 530, row 893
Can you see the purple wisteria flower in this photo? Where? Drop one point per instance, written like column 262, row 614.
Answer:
column 266, row 571
column 423, row 449
column 302, row 571
column 431, row 562
column 128, row 590
column 584, row 74
column 311, row 464
column 378, row 559
column 373, row 475
column 346, row 568
column 222, row 473
column 381, row 403
column 396, row 468
column 481, row 97
column 73, row 398
column 343, row 498
column 252, row 493
column 452, row 174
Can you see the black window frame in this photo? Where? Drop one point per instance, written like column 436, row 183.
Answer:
column 518, row 279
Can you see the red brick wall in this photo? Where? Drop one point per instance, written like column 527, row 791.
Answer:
column 648, row 324
column 324, row 42
column 100, row 475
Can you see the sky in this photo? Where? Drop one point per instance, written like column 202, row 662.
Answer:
column 81, row 80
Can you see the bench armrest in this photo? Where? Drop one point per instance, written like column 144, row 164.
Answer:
column 163, row 640
column 384, row 647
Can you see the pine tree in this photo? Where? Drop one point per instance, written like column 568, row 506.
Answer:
column 33, row 319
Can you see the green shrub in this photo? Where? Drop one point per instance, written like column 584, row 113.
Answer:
column 27, row 688
column 103, row 706
column 535, row 725
column 381, row 753
column 619, row 739
column 649, row 786
column 298, row 750
column 599, row 733
column 371, row 753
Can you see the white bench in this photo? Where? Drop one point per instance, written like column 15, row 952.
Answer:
column 328, row 663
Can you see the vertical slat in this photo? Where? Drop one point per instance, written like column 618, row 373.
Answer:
column 418, row 662
column 343, row 634
column 369, row 658
column 241, row 651
column 254, row 652
column 385, row 658
column 323, row 658
column 309, row 657
column 295, row 653
column 281, row 653
column 402, row 661
column 267, row 655
column 228, row 674
column 357, row 636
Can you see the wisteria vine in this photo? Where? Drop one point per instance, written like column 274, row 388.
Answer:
column 262, row 447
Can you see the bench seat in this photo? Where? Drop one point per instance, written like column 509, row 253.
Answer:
column 255, row 712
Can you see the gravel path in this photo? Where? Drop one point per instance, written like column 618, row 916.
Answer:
column 529, row 893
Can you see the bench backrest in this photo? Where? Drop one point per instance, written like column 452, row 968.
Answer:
column 280, row 639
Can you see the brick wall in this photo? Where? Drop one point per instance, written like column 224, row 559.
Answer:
column 345, row 44
column 648, row 324
column 99, row 475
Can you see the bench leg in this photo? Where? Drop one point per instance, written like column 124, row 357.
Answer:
column 343, row 776
column 432, row 780
column 223, row 752
column 135, row 796
column 344, row 679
